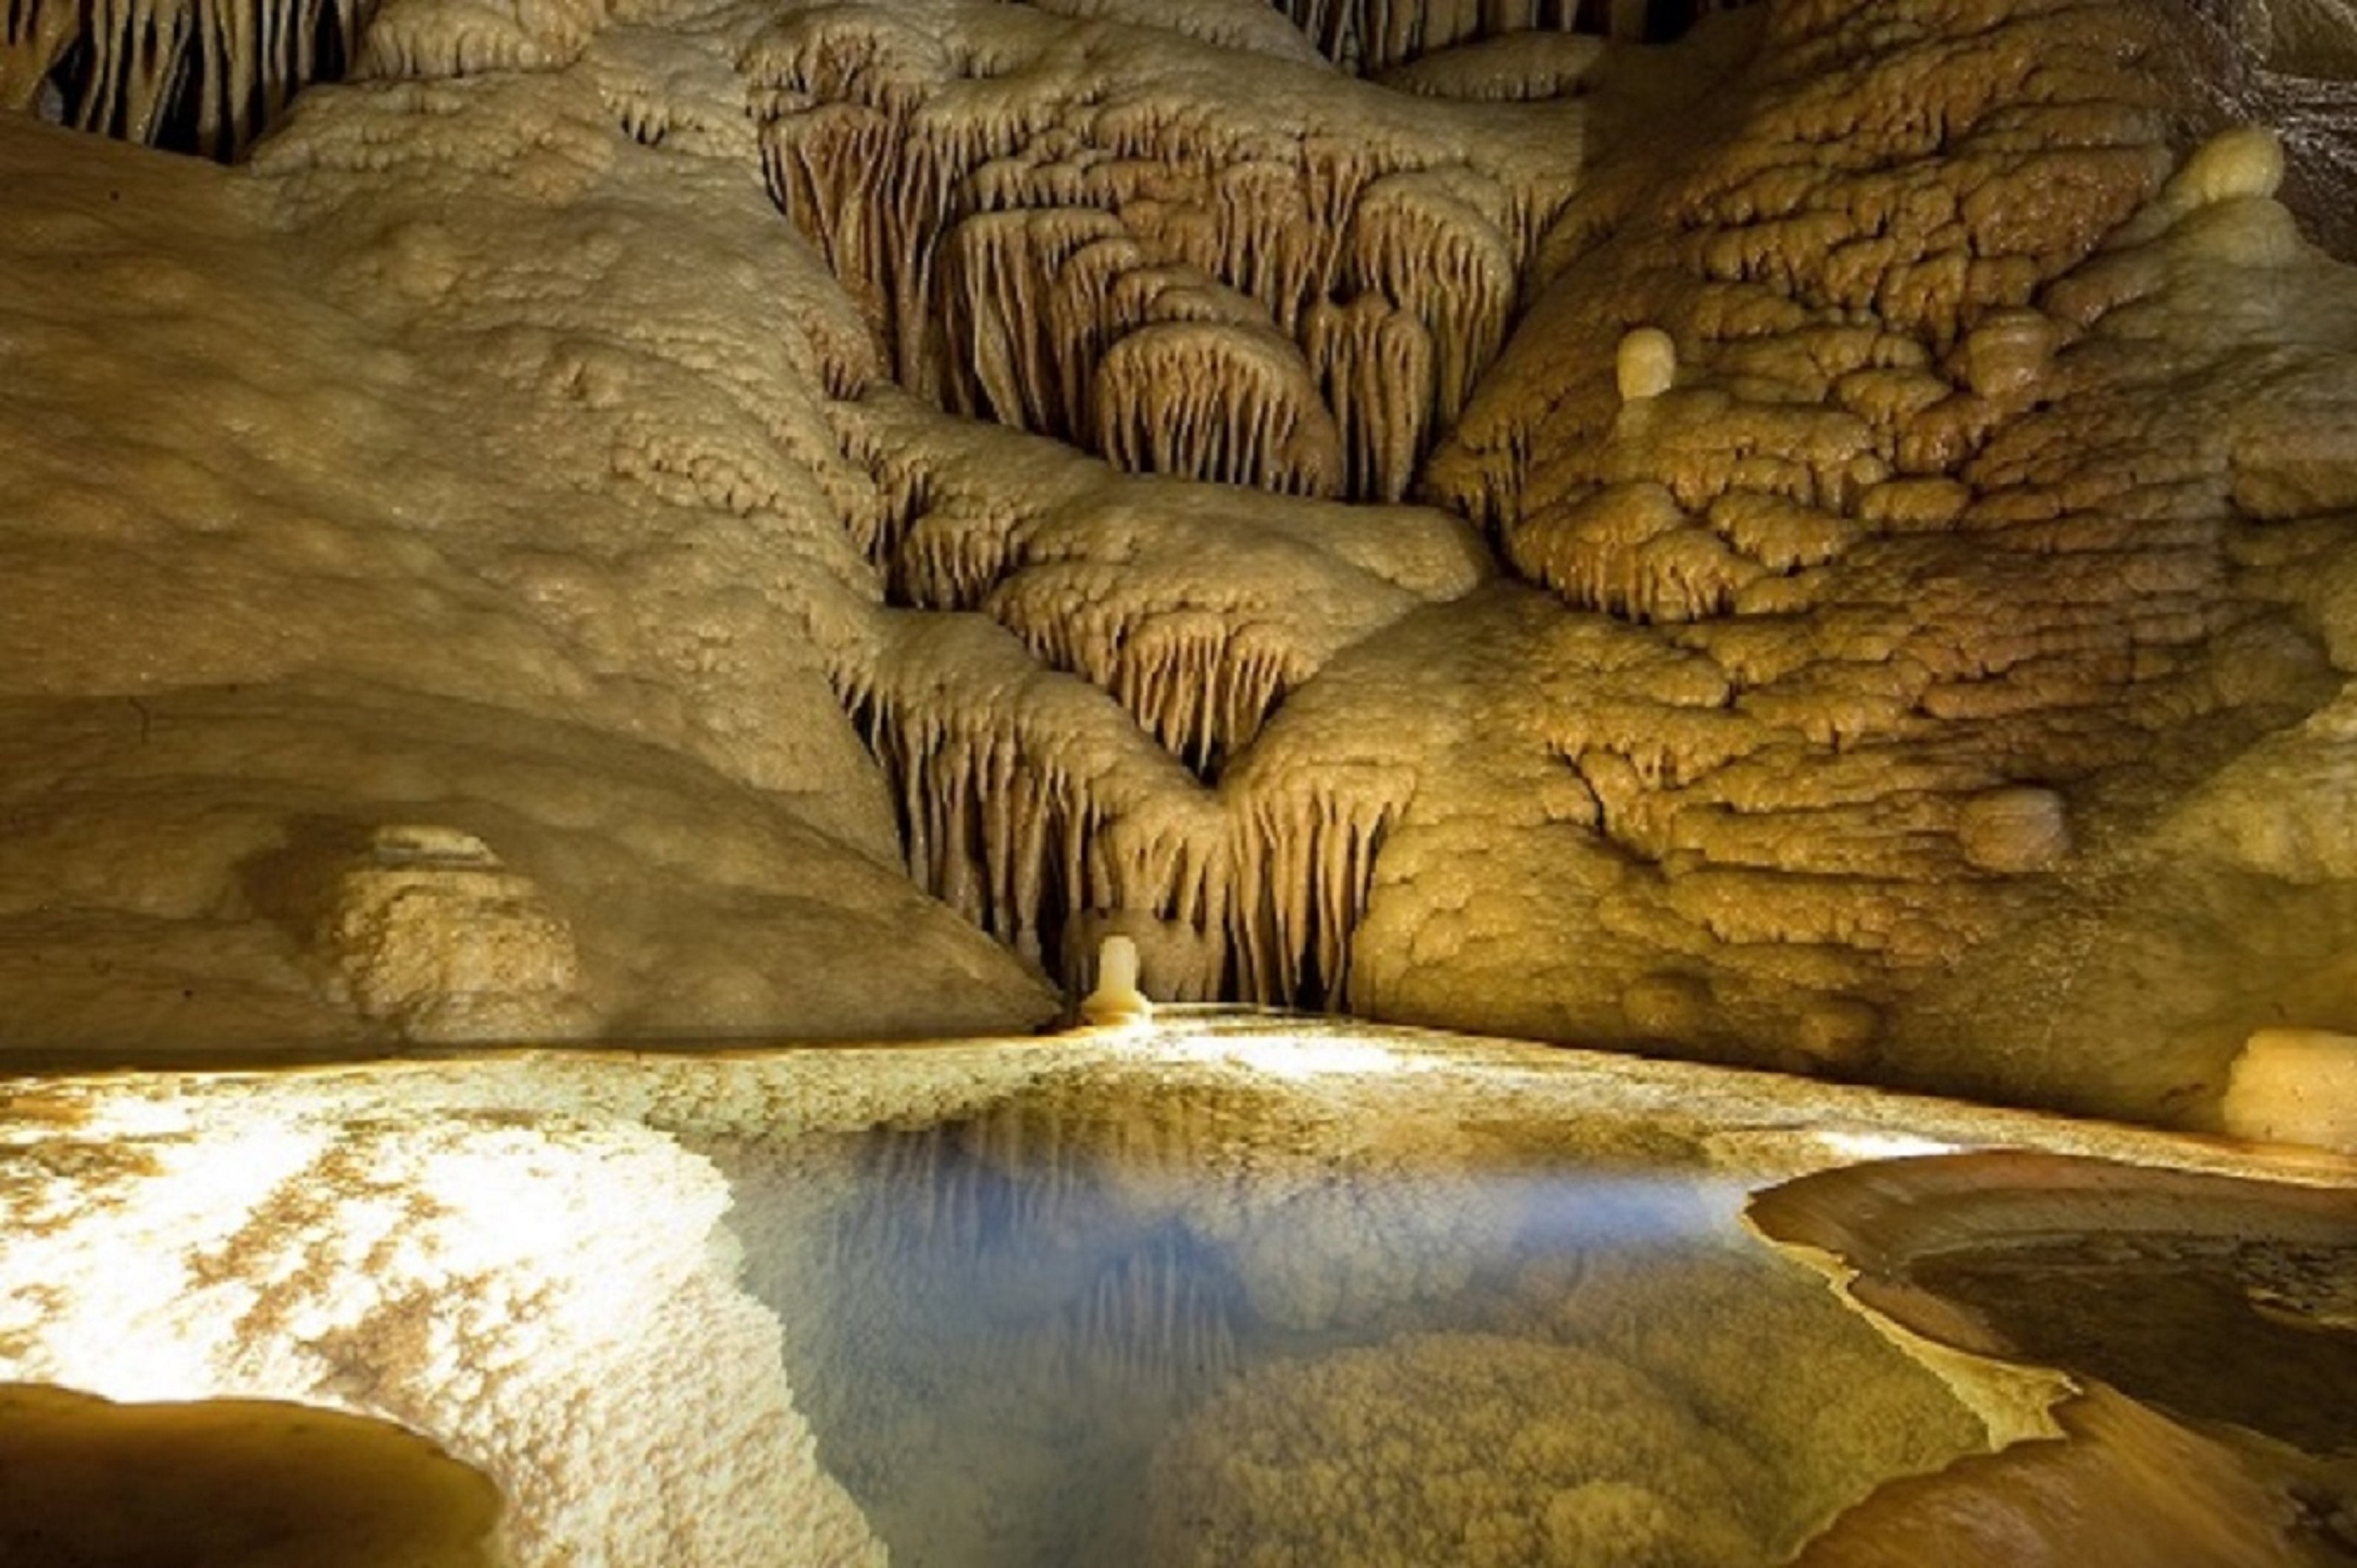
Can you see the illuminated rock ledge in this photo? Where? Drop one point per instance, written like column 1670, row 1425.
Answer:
column 2208, row 1324
column 1352, row 1296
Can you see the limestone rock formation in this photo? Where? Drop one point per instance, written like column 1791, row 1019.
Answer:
column 430, row 932
column 2125, row 1488
column 230, row 1483
column 1824, row 544
column 551, row 1297
column 1003, row 1301
column 2204, row 1321
column 1440, row 1436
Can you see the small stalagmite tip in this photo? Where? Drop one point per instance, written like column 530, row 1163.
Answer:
column 1647, row 365
column 1116, row 999
column 2241, row 163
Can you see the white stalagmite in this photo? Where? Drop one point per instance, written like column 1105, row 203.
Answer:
column 1646, row 365
column 1115, row 998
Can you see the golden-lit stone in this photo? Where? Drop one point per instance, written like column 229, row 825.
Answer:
column 2295, row 1086
column 229, row 1484
column 1383, row 507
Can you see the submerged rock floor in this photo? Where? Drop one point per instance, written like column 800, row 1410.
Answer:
column 1221, row 1288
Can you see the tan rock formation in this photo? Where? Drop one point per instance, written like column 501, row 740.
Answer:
column 2204, row 1322
column 1920, row 433
column 2123, row 1489
column 230, row 1483
column 553, row 1299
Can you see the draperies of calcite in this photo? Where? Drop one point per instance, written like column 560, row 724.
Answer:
column 1373, row 35
column 205, row 75
column 281, row 596
column 1877, row 694
column 1266, row 276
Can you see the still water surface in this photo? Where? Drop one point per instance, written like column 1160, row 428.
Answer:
column 1160, row 1322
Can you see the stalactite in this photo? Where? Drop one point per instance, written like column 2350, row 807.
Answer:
column 849, row 227
column 204, row 76
column 1415, row 240
column 1089, row 309
column 1222, row 403
column 1029, row 800
column 1025, row 798
column 1374, row 365
column 1373, row 34
column 1269, row 248
column 1195, row 684
column 837, row 95
column 1195, row 678
column 1304, row 859
column 1144, row 296
column 1185, row 232
column 998, row 288
column 1007, row 238
column 949, row 560
column 1510, row 68
column 34, row 38
column 903, row 487
column 821, row 166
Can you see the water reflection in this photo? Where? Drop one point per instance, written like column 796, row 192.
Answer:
column 1125, row 1319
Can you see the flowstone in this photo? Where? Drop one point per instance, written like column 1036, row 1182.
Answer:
column 1822, row 545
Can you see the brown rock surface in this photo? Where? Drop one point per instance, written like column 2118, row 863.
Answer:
column 2207, row 1323
column 233, row 1483
column 1918, row 658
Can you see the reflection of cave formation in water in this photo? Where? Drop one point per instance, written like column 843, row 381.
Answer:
column 1151, row 1296
column 1122, row 1317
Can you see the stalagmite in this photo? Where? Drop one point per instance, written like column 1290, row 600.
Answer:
column 1115, row 998
column 1646, row 365
column 2294, row 1086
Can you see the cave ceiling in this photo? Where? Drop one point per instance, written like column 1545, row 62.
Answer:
column 1800, row 533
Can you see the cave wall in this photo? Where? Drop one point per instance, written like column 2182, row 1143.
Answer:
column 1819, row 544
